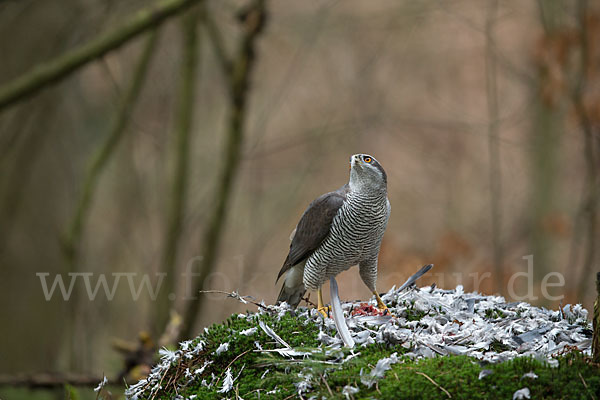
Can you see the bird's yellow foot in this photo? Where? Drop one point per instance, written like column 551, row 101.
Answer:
column 324, row 310
column 381, row 305
column 384, row 310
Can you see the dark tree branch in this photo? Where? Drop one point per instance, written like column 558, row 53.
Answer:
column 181, row 132
column 217, row 43
column 589, row 206
column 102, row 155
column 72, row 240
column 21, row 171
column 48, row 380
column 546, row 133
column 493, row 145
column 253, row 22
column 56, row 69
column 596, row 323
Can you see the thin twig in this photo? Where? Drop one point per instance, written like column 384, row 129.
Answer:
column 307, row 300
column 64, row 65
column 160, row 384
column 236, row 296
column 231, row 363
column 252, row 391
column 586, row 386
column 435, row 383
column 216, row 40
column 101, row 386
column 326, row 385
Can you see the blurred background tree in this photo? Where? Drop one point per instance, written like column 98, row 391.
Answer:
column 182, row 140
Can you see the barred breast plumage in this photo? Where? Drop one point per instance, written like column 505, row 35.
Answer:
column 354, row 239
column 338, row 230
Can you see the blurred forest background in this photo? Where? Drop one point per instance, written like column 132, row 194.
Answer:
column 196, row 137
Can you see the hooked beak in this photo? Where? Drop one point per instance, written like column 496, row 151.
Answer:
column 354, row 161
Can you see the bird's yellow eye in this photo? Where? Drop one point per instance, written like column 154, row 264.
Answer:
column 367, row 160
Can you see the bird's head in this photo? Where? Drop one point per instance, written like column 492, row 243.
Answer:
column 366, row 173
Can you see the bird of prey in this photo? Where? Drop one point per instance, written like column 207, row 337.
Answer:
column 338, row 230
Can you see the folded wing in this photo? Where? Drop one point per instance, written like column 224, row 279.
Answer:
column 313, row 228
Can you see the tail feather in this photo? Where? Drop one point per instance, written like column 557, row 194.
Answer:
column 293, row 288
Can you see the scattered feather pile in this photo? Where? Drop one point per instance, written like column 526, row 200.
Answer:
column 426, row 322
column 442, row 322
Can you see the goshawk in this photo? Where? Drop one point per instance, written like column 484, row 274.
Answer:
column 338, row 230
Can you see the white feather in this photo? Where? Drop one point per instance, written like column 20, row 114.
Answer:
column 271, row 333
column 338, row 314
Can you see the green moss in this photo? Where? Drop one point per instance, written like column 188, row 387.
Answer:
column 494, row 313
column 411, row 313
column 408, row 379
column 498, row 346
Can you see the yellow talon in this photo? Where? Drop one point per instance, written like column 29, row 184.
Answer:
column 324, row 310
column 381, row 305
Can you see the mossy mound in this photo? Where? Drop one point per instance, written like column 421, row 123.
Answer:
column 238, row 359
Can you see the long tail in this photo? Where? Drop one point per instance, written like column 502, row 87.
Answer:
column 293, row 289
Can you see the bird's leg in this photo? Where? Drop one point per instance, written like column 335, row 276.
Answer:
column 320, row 307
column 380, row 304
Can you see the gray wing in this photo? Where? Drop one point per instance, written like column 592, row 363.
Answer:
column 313, row 227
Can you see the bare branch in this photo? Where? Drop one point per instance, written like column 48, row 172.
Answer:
column 493, row 145
column 589, row 204
column 253, row 22
column 596, row 323
column 100, row 158
column 57, row 69
column 46, row 380
column 180, row 177
column 217, row 42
